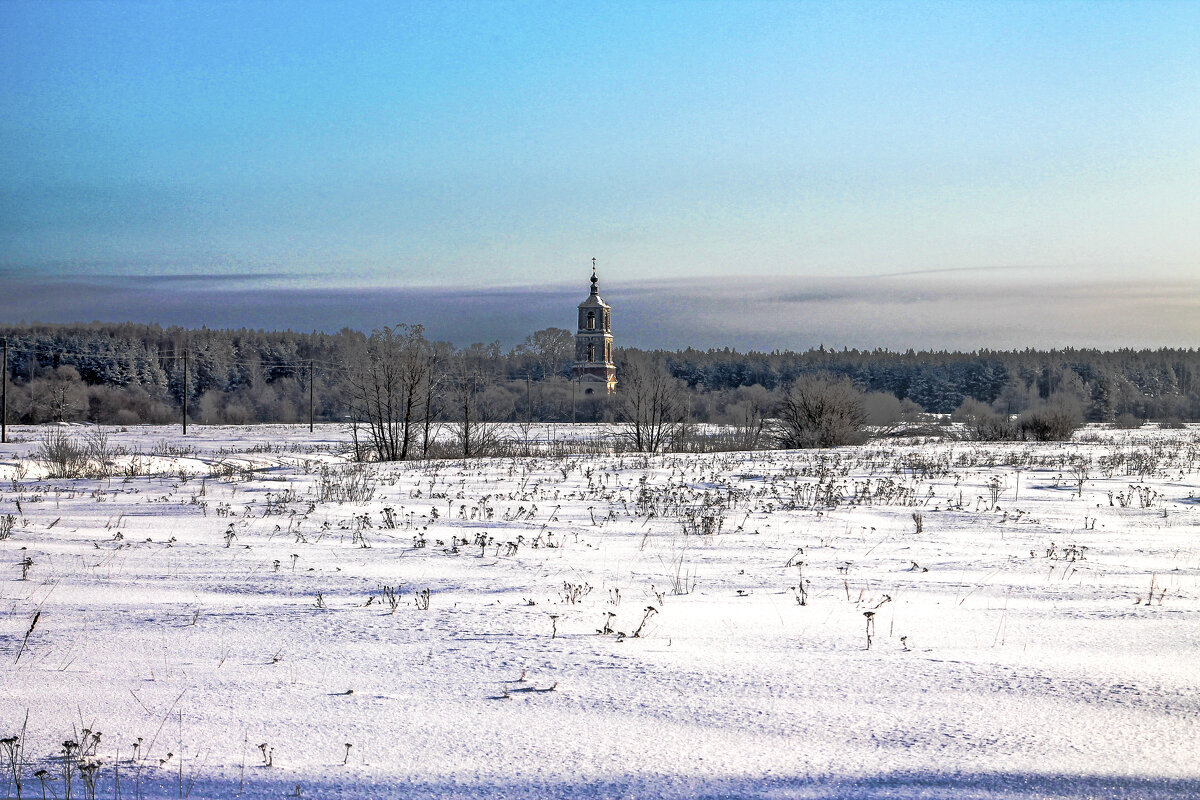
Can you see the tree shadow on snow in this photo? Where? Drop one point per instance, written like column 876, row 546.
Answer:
column 356, row 783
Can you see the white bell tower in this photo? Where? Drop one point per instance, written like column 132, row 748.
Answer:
column 594, row 342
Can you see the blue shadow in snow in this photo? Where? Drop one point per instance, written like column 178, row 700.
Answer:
column 276, row 783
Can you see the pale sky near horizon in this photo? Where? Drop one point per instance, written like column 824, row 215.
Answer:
column 978, row 147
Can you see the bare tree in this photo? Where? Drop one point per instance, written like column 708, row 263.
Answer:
column 442, row 359
column 474, row 417
column 748, row 416
column 389, row 389
column 650, row 404
column 62, row 397
column 550, row 349
column 821, row 411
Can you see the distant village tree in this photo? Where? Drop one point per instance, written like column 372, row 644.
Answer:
column 547, row 351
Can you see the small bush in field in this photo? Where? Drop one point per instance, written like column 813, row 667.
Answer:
column 821, row 411
column 982, row 423
column 62, row 455
column 351, row 484
column 1056, row 421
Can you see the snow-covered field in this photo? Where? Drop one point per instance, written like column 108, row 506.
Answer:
column 243, row 613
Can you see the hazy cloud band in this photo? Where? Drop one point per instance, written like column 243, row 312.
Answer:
column 768, row 313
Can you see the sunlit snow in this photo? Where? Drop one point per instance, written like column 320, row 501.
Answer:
column 216, row 612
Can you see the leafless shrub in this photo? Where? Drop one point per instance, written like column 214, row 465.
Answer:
column 683, row 580
column 391, row 595
column 706, row 519
column 821, row 411
column 350, row 484
column 982, row 423
column 62, row 455
column 1056, row 421
column 1080, row 472
column 100, row 452
column 574, row 592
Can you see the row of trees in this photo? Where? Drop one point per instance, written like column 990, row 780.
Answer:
column 820, row 410
column 403, row 388
column 129, row 373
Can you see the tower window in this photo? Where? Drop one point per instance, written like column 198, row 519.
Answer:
column 591, row 352
column 591, row 321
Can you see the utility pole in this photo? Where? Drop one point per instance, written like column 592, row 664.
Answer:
column 574, row 381
column 4, row 399
column 310, row 396
column 185, row 354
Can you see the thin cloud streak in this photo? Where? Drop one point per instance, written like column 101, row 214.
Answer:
column 973, row 270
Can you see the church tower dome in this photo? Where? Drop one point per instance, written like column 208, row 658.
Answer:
column 594, row 341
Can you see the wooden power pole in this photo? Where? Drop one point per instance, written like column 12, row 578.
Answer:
column 4, row 398
column 310, row 396
column 185, row 354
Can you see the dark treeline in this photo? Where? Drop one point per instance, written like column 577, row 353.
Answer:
column 1154, row 384
column 130, row 373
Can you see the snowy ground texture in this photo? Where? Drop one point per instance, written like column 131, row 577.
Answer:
column 216, row 615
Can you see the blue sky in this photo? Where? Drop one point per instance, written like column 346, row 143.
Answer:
column 362, row 147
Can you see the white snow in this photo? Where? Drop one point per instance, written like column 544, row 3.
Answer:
column 1018, row 650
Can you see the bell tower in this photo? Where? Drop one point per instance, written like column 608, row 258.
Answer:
column 594, row 342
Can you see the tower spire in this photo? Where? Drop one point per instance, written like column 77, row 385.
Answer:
column 595, row 280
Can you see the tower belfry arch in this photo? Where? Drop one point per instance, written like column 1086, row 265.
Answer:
column 594, row 342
